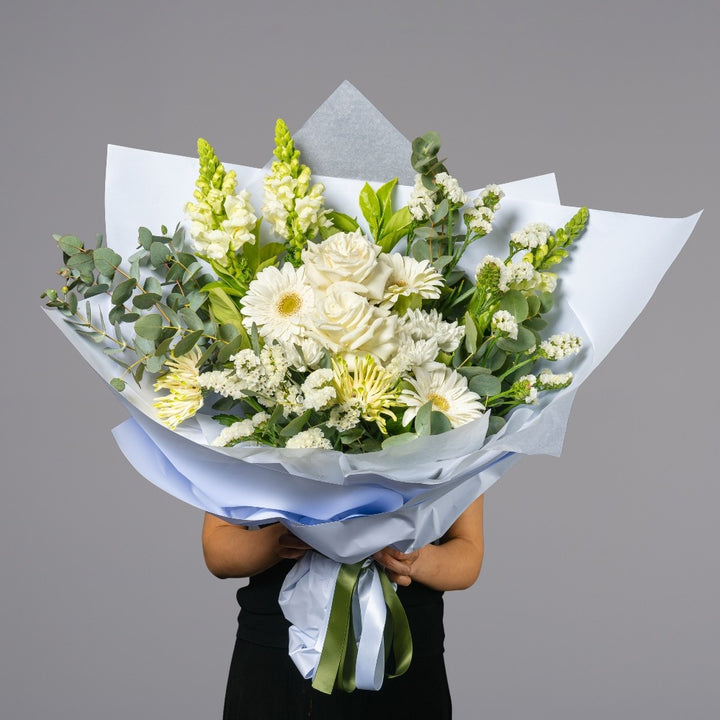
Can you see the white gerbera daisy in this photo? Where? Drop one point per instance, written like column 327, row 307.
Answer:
column 446, row 389
column 280, row 303
column 409, row 276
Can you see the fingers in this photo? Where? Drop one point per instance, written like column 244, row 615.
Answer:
column 291, row 547
column 399, row 565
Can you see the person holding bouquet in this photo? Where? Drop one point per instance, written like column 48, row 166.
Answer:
column 264, row 683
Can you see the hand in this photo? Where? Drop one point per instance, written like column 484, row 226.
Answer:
column 291, row 547
column 399, row 566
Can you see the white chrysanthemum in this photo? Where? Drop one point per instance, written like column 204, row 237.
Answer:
column 409, row 276
column 548, row 380
column 422, row 325
column 446, row 389
column 411, row 354
column 318, row 389
column 504, row 323
column 451, row 188
column 491, row 267
column 561, row 345
column 422, row 201
column 182, row 382
column 531, row 236
column 312, row 438
column 280, row 303
column 241, row 220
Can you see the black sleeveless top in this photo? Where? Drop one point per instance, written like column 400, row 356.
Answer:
column 261, row 620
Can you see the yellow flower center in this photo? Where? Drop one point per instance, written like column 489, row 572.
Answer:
column 439, row 402
column 289, row 304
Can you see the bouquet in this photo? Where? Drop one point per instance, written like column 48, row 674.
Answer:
column 357, row 360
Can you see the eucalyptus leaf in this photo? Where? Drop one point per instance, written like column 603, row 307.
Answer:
column 533, row 305
column 149, row 327
column 187, row 343
column 229, row 349
column 423, row 418
column 525, row 340
column 82, row 262
column 402, row 439
column 152, row 285
column 515, row 303
column 106, row 261
column 191, row 319
column 155, row 363
column 495, row 424
column 296, row 425
column 439, row 423
column 420, row 250
column 146, row 300
column 118, row 383
column 96, row 290
column 485, row 385
column 123, row 291
column 546, row 301
column 470, row 334
column 145, row 238
column 70, row 245
column 536, row 323
column 159, row 253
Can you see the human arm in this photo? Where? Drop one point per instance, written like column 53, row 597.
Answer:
column 454, row 564
column 235, row 551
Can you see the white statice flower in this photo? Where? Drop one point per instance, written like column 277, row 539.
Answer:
column 522, row 275
column 310, row 210
column 235, row 432
column 345, row 416
column 318, row 389
column 275, row 364
column 225, row 383
column 504, row 323
column 559, row 346
column 281, row 304
column 479, row 219
column 182, row 381
column 349, row 326
column 288, row 395
column 426, row 325
column 525, row 389
column 492, row 273
column 548, row 380
column 312, row 438
column 422, row 201
column 249, row 371
column 446, row 389
column 487, row 193
column 409, row 276
column 241, row 220
column 451, row 188
column 346, row 257
column 531, row 236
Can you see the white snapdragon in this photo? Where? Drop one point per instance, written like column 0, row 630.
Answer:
column 310, row 210
column 451, row 188
column 318, row 389
column 504, row 323
column 312, row 438
column 422, row 201
column 279, row 195
column 241, row 220
column 531, row 236
column 560, row 346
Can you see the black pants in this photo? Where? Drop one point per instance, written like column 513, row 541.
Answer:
column 264, row 684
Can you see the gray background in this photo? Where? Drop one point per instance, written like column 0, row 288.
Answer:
column 599, row 593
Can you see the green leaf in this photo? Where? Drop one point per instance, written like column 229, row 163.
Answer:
column 440, row 212
column 470, row 334
column 155, row 363
column 546, row 301
column 439, row 423
column 82, row 263
column 395, row 228
column 473, row 370
column 384, row 193
column 123, row 291
column 144, row 346
column 159, row 253
column 225, row 419
column 420, row 250
column 515, row 303
column 525, row 340
column 533, row 305
column 496, row 359
column 370, row 207
column 296, row 425
column 152, row 285
column 536, row 323
column 423, row 419
column 72, row 301
column 106, row 261
column 230, row 349
column 396, row 440
column 496, row 424
column 70, row 245
column 224, row 309
column 344, row 223
column 118, row 384
column 146, row 301
column 187, row 343
column 149, row 327
column 485, row 385
column 350, row 436
column 96, row 290
column 145, row 238
column 191, row 319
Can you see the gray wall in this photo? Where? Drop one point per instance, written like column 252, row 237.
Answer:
column 599, row 593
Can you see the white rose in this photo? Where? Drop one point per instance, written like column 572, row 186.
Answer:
column 349, row 325
column 346, row 257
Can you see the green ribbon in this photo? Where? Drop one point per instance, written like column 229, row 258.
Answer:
column 336, row 668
